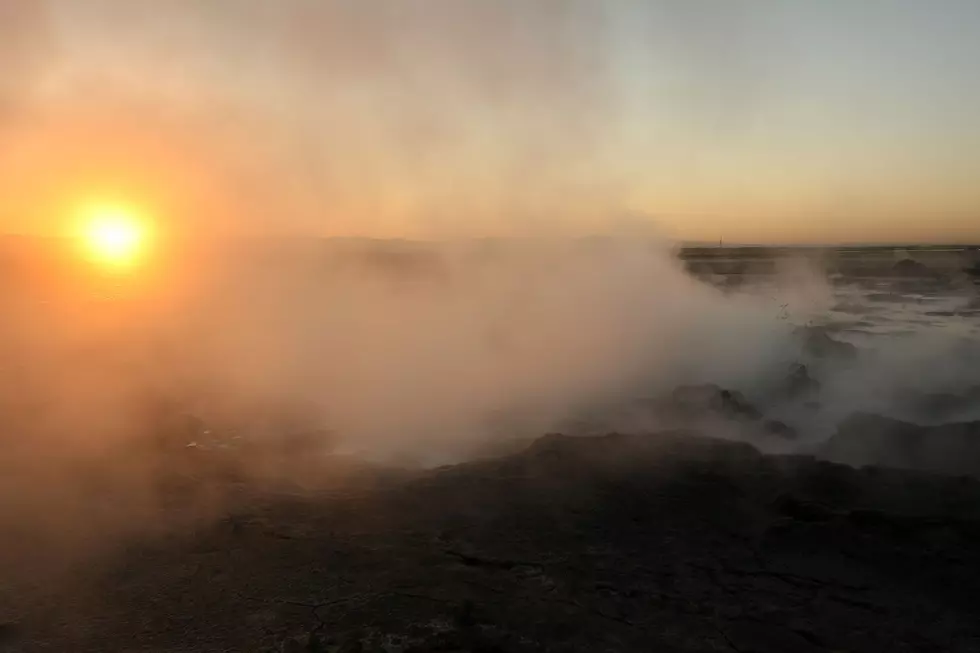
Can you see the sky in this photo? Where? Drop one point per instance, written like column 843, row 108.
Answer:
column 764, row 121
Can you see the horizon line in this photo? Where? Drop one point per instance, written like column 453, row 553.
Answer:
column 699, row 244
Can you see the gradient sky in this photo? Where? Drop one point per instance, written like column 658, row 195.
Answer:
column 752, row 121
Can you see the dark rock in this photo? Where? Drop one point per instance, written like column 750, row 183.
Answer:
column 697, row 406
column 865, row 439
column 940, row 405
column 818, row 344
column 709, row 398
column 910, row 268
column 799, row 383
column 315, row 644
column 648, row 542
column 9, row 634
column 605, row 451
column 750, row 635
column 352, row 645
column 779, row 429
column 293, row 645
column 465, row 616
column 801, row 510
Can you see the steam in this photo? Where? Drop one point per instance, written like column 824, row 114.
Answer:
column 449, row 119
column 422, row 360
column 382, row 118
column 379, row 118
column 25, row 45
column 396, row 352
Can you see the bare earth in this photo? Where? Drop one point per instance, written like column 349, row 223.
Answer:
column 661, row 543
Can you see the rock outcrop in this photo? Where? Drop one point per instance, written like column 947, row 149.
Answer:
column 799, row 384
column 699, row 406
column 866, row 439
column 706, row 408
column 940, row 405
column 818, row 345
column 709, row 398
column 911, row 269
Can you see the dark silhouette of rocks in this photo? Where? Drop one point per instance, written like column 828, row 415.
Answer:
column 779, row 429
column 865, row 439
column 910, row 268
column 667, row 542
column 704, row 408
column 799, row 383
column 818, row 344
column 940, row 405
column 694, row 406
column 9, row 636
column 710, row 398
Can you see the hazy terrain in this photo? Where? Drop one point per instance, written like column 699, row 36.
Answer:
column 235, row 446
column 368, row 325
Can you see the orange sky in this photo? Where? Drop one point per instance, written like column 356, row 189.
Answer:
column 761, row 123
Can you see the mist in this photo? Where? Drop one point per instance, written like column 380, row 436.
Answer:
column 249, row 130
column 404, row 353
column 394, row 119
column 378, row 118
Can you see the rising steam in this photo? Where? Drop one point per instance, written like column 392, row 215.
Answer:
column 449, row 119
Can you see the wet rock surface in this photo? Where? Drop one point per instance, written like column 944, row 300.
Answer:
column 668, row 542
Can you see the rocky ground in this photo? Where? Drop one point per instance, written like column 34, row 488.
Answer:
column 668, row 542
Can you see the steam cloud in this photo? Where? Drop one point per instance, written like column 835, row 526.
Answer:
column 373, row 118
column 446, row 118
column 380, row 118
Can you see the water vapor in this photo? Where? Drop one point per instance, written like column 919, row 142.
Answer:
column 453, row 120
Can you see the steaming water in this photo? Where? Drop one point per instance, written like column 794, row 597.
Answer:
column 872, row 313
column 916, row 339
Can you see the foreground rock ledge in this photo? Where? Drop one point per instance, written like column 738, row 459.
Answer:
column 667, row 542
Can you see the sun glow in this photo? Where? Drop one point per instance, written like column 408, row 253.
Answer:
column 113, row 235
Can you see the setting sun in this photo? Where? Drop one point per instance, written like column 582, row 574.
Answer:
column 114, row 235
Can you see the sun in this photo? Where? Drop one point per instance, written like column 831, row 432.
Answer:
column 114, row 235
